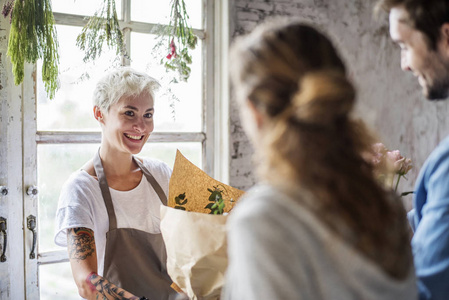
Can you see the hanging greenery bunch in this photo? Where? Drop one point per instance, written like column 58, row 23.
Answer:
column 180, row 39
column 32, row 37
column 102, row 27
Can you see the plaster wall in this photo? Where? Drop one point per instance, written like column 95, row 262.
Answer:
column 389, row 100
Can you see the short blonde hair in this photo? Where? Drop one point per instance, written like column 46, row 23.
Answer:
column 122, row 82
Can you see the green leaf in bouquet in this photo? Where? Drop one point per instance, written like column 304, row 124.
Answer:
column 209, row 206
column 215, row 195
column 217, row 205
column 181, row 200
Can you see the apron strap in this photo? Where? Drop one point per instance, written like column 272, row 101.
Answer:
column 98, row 166
column 157, row 188
column 104, row 187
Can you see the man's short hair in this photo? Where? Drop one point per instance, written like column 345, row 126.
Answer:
column 426, row 16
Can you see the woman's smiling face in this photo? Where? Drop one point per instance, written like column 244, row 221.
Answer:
column 128, row 123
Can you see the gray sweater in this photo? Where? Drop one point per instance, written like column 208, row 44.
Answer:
column 279, row 250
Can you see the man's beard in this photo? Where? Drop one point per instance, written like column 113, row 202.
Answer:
column 438, row 91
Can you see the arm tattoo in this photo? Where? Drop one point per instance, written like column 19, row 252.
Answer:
column 107, row 290
column 81, row 243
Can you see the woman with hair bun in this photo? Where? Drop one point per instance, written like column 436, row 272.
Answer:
column 317, row 226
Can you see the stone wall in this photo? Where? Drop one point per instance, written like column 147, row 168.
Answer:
column 388, row 99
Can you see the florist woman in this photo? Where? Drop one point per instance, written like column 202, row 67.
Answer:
column 108, row 212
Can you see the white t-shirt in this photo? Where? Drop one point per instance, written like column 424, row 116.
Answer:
column 81, row 205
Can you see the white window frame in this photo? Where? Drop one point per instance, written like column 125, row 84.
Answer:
column 209, row 129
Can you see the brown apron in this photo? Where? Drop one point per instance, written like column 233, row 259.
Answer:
column 135, row 260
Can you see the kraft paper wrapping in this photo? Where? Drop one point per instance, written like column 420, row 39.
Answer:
column 194, row 182
column 196, row 251
column 195, row 240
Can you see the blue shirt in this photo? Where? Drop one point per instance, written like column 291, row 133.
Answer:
column 430, row 242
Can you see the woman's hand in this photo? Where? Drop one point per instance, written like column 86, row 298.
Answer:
column 106, row 290
column 83, row 260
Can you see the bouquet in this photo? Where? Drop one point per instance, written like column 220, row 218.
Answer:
column 193, row 226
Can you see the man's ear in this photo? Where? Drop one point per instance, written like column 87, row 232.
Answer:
column 98, row 114
column 444, row 38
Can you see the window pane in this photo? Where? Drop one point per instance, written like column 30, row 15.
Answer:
column 54, row 165
column 82, row 7
column 56, row 282
column 72, row 107
column 156, row 11
column 167, row 152
column 185, row 113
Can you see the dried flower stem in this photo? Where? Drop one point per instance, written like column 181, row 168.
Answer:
column 102, row 27
column 397, row 183
column 180, row 39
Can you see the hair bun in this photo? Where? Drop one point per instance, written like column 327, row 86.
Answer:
column 322, row 98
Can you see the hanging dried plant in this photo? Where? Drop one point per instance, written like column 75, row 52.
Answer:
column 180, row 39
column 7, row 9
column 102, row 27
column 32, row 37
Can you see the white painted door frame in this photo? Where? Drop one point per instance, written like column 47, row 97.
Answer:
column 12, row 270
